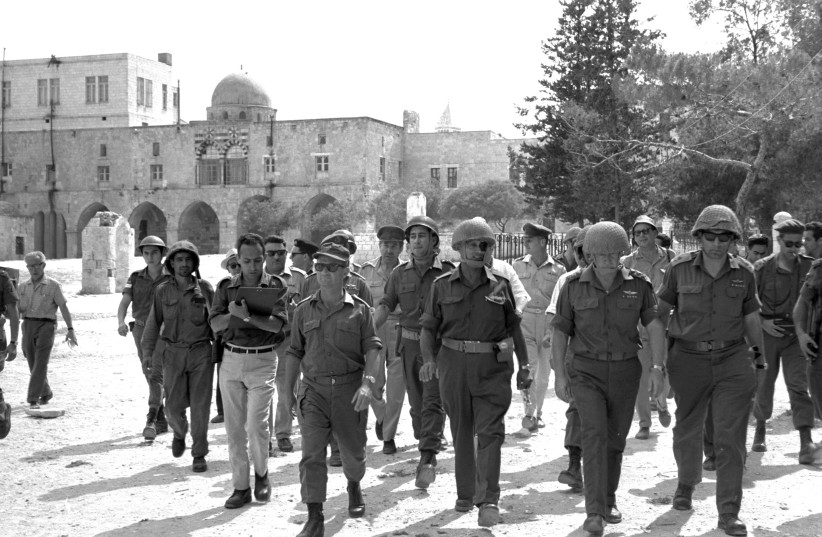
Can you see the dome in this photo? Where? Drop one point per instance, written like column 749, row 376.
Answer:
column 238, row 88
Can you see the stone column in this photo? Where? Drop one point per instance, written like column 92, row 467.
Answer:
column 108, row 246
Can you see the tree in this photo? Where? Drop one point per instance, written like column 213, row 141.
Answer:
column 266, row 217
column 339, row 214
column 496, row 201
column 390, row 205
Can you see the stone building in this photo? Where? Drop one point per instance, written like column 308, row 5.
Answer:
column 109, row 138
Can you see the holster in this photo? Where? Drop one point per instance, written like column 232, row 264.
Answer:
column 505, row 350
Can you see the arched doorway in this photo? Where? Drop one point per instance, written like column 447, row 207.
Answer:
column 87, row 214
column 200, row 225
column 147, row 219
column 320, row 201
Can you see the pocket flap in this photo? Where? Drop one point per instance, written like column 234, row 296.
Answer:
column 586, row 303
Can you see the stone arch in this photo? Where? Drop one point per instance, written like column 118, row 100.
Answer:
column 320, row 201
column 87, row 214
column 242, row 116
column 225, row 115
column 243, row 226
column 200, row 225
column 147, row 219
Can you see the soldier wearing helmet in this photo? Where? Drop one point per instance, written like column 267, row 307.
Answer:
column 408, row 287
column 473, row 311
column 139, row 293
column 599, row 309
column 716, row 311
column 179, row 318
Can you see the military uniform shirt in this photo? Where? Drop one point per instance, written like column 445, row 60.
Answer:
column 653, row 267
column 248, row 335
column 539, row 281
column 376, row 276
column 779, row 288
column 354, row 285
column 600, row 321
column 42, row 300
column 179, row 315
column 707, row 308
column 410, row 290
column 140, row 287
column 813, row 282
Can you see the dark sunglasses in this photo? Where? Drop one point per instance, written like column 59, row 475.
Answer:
column 233, row 266
column 297, row 253
column 275, row 253
column 330, row 267
column 793, row 244
column 711, row 237
column 644, row 231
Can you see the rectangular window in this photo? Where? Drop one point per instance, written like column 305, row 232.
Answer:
column 54, row 90
column 382, row 168
column 209, row 172
column 91, row 89
column 6, row 93
column 321, row 139
column 141, row 91
column 156, row 172
column 6, row 170
column 103, row 150
column 155, row 149
column 435, row 173
column 102, row 89
column 51, row 173
column 42, row 92
column 452, row 177
column 149, row 93
column 19, row 245
column 269, row 164
column 322, row 163
column 175, row 99
column 236, row 170
column 103, row 173
column 165, row 96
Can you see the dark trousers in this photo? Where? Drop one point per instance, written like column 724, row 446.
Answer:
column 218, row 399
column 573, row 427
column 784, row 350
column 38, row 340
column 188, row 378
column 427, row 415
column 155, row 387
column 725, row 380
column 476, row 392
column 815, row 380
column 708, row 433
column 605, row 393
column 280, row 420
column 326, row 409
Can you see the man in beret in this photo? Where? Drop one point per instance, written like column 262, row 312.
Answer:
column 301, row 255
column 779, row 277
column 539, row 274
column 391, row 378
column 566, row 257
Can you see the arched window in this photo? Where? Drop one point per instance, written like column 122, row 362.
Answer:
column 236, row 166
column 242, row 116
column 225, row 115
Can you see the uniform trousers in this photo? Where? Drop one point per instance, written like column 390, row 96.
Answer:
column 476, row 392
column 725, row 380
column 795, row 372
column 327, row 409
column 573, row 426
column 427, row 415
column 38, row 340
column 155, row 386
column 534, row 326
column 247, row 384
column 815, row 380
column 605, row 392
column 281, row 419
column 643, row 402
column 188, row 379
column 389, row 392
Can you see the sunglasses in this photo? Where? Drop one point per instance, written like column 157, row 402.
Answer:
column 297, row 253
column 793, row 244
column 711, row 237
column 233, row 266
column 275, row 253
column 644, row 231
column 330, row 267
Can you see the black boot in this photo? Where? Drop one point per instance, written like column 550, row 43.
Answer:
column 162, row 423
column 759, row 438
column 315, row 525
column 150, row 430
column 573, row 475
column 356, row 505
column 806, row 446
column 683, row 497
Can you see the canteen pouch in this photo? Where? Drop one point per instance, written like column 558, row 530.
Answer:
column 505, row 350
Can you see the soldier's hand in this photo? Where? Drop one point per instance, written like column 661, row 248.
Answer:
column 146, row 363
column 11, row 352
column 429, row 371
column 562, row 388
column 239, row 310
column 808, row 345
column 657, row 382
column 546, row 341
column 770, row 328
column 362, row 399
column 122, row 329
column 71, row 339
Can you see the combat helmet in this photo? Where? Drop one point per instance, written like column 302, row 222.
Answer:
column 717, row 217
column 473, row 229
column 153, row 240
column 606, row 238
column 182, row 246
column 424, row 221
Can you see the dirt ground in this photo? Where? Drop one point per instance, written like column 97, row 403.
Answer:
column 91, row 473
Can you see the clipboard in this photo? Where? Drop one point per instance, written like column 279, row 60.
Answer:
column 261, row 300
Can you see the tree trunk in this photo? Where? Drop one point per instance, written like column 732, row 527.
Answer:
column 750, row 178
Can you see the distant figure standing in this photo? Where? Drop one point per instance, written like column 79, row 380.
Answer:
column 8, row 307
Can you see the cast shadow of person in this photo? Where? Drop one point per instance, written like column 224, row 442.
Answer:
column 177, row 525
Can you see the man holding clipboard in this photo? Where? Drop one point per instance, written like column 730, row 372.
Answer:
column 249, row 311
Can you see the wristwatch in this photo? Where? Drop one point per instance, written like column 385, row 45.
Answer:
column 658, row 367
column 370, row 379
column 12, row 342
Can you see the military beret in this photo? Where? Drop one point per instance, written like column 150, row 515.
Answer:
column 337, row 252
column 536, row 230
column 305, row 247
column 791, row 225
column 391, row 233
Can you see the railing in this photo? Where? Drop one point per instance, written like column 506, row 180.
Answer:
column 683, row 240
column 512, row 245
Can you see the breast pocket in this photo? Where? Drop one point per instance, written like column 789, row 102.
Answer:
column 451, row 307
column 690, row 299
column 585, row 303
column 408, row 298
column 731, row 303
column 347, row 334
column 628, row 303
column 170, row 309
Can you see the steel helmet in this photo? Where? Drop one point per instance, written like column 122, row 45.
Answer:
column 182, row 246
column 153, row 240
column 473, row 229
column 717, row 217
column 606, row 238
column 426, row 222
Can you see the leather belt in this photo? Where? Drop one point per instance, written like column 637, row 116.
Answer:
column 708, row 346
column 329, row 380
column 469, row 347
column 40, row 319
column 249, row 350
column 607, row 356
column 410, row 334
column 535, row 309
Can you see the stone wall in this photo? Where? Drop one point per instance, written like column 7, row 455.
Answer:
column 108, row 243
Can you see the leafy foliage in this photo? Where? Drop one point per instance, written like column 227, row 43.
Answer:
column 497, row 202
column 266, row 217
column 339, row 214
column 389, row 206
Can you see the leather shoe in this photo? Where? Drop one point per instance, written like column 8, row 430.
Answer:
column 285, row 445
column 488, row 515
column 219, row 418
column 664, row 418
column 334, row 459
column 199, row 465
column 463, row 505
column 178, row 447
column 356, row 505
column 378, row 430
column 732, row 525
column 644, row 433
column 613, row 516
column 593, row 525
column 262, row 487
column 5, row 419
column 389, row 447
column 682, row 497
column 238, row 499
column 709, row 464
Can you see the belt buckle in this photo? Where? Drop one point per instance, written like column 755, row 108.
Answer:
column 710, row 345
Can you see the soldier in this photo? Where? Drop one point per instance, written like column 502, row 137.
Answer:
column 709, row 363
column 566, row 257
column 473, row 311
column 248, row 368
column 40, row 298
column 757, row 248
column 335, row 345
column 653, row 261
column 8, row 308
column 807, row 315
column 139, row 293
column 812, row 238
column 179, row 316
column 539, row 274
column 600, row 309
column 230, row 264
column 301, row 255
column 376, row 272
column 408, row 287
column 779, row 277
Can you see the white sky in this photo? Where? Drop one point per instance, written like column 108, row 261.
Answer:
column 323, row 58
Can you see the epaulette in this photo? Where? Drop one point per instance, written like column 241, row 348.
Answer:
column 761, row 262
column 803, row 256
column 368, row 264
column 441, row 276
column 639, row 275
column 309, row 276
column 817, row 262
column 743, row 264
column 356, row 275
column 356, row 266
column 361, row 301
column 304, row 300
column 225, row 280
column 573, row 275
column 298, row 271
column 206, row 284
column 683, row 258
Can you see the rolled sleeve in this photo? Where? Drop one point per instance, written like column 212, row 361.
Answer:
column 296, row 347
column 369, row 340
column 431, row 317
column 564, row 318
column 668, row 292
column 650, row 308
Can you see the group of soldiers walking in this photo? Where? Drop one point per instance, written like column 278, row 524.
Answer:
column 623, row 328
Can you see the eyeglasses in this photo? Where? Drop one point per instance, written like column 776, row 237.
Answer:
column 330, row 267
column 793, row 244
column 275, row 253
column 711, row 237
column 233, row 266
column 643, row 231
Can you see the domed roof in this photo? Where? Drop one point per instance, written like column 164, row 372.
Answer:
column 238, row 88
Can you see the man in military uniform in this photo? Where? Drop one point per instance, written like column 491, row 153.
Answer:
column 652, row 261
column 709, row 362
column 566, row 257
column 408, row 287
column 301, row 255
column 812, row 238
column 538, row 273
column 179, row 316
column 139, row 293
column 376, row 272
column 8, row 308
column 600, row 309
column 335, row 345
column 779, row 277
column 473, row 311
column 757, row 248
